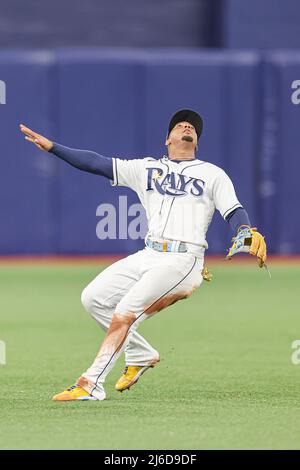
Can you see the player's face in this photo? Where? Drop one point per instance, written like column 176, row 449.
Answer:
column 183, row 132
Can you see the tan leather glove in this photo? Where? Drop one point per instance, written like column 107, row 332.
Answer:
column 249, row 240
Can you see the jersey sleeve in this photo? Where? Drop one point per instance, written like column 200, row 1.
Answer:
column 224, row 195
column 127, row 173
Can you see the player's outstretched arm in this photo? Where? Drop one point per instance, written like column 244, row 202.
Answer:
column 85, row 160
column 40, row 141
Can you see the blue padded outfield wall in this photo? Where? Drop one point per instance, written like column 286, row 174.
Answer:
column 263, row 24
column 118, row 102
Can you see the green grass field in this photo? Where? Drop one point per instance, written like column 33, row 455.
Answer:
column 225, row 380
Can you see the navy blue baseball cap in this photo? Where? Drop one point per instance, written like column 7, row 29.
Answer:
column 187, row 115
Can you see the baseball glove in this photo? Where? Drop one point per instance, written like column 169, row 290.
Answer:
column 249, row 240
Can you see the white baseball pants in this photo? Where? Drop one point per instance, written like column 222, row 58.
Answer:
column 128, row 292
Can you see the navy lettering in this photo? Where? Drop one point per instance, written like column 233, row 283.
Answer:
column 174, row 184
column 199, row 189
column 151, row 173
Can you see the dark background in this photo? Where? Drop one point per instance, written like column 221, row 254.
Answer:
column 108, row 75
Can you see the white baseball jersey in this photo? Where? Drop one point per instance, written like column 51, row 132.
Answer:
column 179, row 197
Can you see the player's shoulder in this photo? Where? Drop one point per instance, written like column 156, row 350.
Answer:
column 150, row 159
column 211, row 166
column 213, row 169
column 137, row 162
column 138, row 159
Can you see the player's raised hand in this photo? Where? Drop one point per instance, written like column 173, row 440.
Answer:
column 40, row 141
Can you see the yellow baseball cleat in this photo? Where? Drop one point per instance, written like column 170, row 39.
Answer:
column 130, row 376
column 73, row 393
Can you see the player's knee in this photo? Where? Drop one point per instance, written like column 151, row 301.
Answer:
column 87, row 299
column 92, row 302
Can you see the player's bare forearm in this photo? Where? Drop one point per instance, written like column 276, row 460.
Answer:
column 40, row 141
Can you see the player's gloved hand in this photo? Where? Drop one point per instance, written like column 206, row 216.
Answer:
column 206, row 274
column 249, row 240
column 40, row 141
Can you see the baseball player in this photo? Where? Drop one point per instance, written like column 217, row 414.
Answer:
column 180, row 194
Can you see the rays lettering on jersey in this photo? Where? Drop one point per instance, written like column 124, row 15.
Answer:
column 174, row 184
